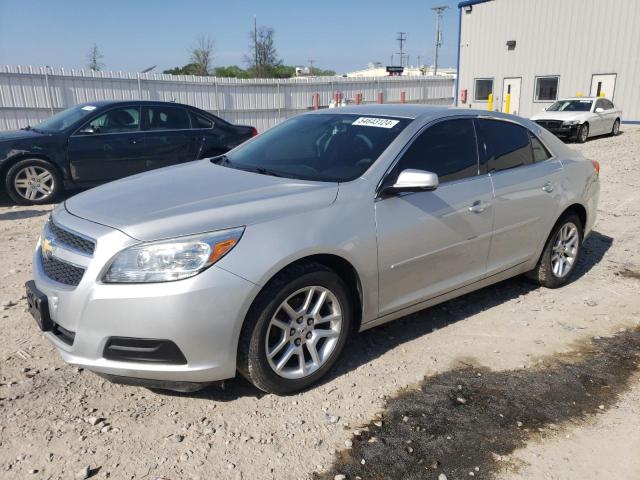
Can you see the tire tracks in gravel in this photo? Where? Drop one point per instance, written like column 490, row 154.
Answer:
column 464, row 423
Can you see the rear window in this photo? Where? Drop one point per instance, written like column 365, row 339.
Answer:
column 507, row 144
column 198, row 121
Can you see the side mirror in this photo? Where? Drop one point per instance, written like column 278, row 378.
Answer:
column 599, row 110
column 88, row 130
column 412, row 180
column 545, row 109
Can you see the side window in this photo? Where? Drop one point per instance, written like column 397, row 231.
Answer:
column 540, row 153
column 606, row 104
column 116, row 121
column 448, row 149
column 198, row 121
column 167, row 118
column 507, row 144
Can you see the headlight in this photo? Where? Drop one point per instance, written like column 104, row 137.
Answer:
column 173, row 259
column 570, row 122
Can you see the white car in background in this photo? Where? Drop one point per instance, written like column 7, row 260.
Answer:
column 580, row 118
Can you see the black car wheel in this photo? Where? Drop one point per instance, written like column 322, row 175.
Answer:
column 616, row 128
column 33, row 181
column 583, row 133
column 561, row 253
column 296, row 329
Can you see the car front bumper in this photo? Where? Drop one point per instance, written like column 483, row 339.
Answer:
column 561, row 130
column 201, row 315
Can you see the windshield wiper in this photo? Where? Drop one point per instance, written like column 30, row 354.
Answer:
column 265, row 171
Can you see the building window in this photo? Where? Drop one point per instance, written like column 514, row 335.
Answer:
column 483, row 87
column 546, row 89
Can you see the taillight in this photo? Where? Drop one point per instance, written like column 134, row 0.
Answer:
column 254, row 131
column 596, row 166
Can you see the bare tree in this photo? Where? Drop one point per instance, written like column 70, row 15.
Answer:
column 202, row 55
column 94, row 58
column 263, row 57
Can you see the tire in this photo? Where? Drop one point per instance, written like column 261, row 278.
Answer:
column 45, row 186
column 546, row 274
column 259, row 335
column 583, row 133
column 615, row 130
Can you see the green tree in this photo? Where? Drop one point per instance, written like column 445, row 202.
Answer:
column 318, row 72
column 188, row 69
column 232, row 71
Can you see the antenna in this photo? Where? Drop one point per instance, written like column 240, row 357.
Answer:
column 402, row 37
column 439, row 11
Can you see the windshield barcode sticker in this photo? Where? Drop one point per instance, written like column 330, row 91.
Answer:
column 376, row 122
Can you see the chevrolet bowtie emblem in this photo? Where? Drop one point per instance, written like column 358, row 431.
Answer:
column 47, row 248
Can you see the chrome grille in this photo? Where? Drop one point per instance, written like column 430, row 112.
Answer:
column 62, row 272
column 72, row 240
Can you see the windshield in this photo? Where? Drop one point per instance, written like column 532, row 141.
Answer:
column 322, row 147
column 66, row 118
column 571, row 106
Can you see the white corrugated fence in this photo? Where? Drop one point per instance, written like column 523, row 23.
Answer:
column 31, row 94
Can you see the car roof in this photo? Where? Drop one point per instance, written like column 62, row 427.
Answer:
column 109, row 103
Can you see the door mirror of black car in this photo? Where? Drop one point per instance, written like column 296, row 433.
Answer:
column 88, row 130
column 412, row 180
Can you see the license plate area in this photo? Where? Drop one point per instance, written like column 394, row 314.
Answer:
column 38, row 307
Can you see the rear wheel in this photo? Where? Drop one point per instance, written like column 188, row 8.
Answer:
column 583, row 133
column 296, row 329
column 560, row 254
column 615, row 130
column 33, row 181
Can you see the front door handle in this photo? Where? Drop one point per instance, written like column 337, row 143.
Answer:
column 478, row 206
column 133, row 141
column 547, row 187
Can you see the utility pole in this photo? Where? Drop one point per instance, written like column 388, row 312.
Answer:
column 311, row 62
column 255, row 44
column 418, row 61
column 402, row 37
column 438, row 11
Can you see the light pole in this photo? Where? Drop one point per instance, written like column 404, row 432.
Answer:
column 438, row 11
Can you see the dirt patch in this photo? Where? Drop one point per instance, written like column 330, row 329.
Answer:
column 466, row 422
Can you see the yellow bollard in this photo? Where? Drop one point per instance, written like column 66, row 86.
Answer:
column 490, row 102
column 507, row 103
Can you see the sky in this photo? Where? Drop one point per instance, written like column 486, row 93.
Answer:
column 133, row 35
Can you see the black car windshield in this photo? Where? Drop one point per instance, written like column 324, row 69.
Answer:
column 571, row 106
column 60, row 121
column 322, row 147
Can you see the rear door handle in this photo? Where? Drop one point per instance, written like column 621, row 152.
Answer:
column 478, row 206
column 547, row 187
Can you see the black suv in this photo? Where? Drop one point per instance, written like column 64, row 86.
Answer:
column 97, row 142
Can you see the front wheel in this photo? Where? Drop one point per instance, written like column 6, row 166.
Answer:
column 295, row 330
column 583, row 133
column 561, row 253
column 33, row 181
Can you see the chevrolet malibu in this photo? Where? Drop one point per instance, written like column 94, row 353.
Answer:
column 266, row 260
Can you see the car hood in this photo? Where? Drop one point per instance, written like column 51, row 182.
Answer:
column 196, row 197
column 20, row 135
column 564, row 116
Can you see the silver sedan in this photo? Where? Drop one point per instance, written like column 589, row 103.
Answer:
column 267, row 260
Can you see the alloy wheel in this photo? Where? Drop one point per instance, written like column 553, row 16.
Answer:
column 34, row 183
column 303, row 332
column 565, row 250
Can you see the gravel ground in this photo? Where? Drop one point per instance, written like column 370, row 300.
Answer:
column 62, row 422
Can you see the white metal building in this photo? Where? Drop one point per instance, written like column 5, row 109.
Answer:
column 543, row 50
